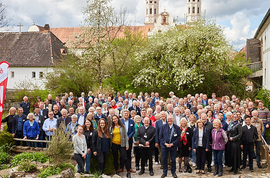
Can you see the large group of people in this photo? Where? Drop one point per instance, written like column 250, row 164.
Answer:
column 195, row 129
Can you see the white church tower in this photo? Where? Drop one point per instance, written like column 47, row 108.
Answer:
column 193, row 11
column 151, row 12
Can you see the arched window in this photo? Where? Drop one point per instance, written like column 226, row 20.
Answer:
column 155, row 11
column 150, row 10
column 164, row 19
column 189, row 10
column 198, row 0
column 198, row 10
column 193, row 10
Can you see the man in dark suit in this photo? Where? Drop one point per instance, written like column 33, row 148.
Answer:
column 40, row 120
column 81, row 116
column 25, row 105
column 146, row 136
column 43, row 112
column 17, row 125
column 169, row 137
column 84, row 98
column 130, row 128
column 159, row 124
column 134, row 107
column 64, row 118
column 99, row 115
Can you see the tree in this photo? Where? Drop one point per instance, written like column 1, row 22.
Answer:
column 101, row 27
column 70, row 74
column 4, row 20
column 186, row 59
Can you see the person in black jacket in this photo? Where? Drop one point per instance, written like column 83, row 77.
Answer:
column 101, row 144
column 99, row 115
column 146, row 136
column 200, row 145
column 9, row 119
column 247, row 143
column 88, row 130
column 233, row 151
column 40, row 120
column 17, row 126
column 185, row 143
column 209, row 126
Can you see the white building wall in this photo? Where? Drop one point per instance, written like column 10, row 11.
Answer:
column 266, row 57
column 19, row 75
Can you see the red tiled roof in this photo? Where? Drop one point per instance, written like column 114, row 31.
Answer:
column 67, row 33
column 244, row 49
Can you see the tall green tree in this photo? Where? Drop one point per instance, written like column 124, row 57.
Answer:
column 187, row 59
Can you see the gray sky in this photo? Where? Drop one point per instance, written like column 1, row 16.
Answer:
column 240, row 18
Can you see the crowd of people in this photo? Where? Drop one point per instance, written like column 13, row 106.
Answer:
column 196, row 129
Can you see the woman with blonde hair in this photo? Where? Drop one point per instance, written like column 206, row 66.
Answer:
column 31, row 130
column 200, row 145
column 9, row 119
column 185, row 143
column 219, row 140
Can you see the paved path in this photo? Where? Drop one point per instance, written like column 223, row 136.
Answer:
column 258, row 173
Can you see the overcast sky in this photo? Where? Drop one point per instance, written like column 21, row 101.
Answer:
column 240, row 18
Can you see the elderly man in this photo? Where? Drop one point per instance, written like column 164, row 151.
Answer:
column 64, row 118
column 187, row 113
column 130, row 129
column 264, row 115
column 43, row 111
column 70, row 104
column 146, row 136
column 159, row 124
column 260, row 129
column 134, row 107
column 99, row 115
column 25, row 105
column 49, row 125
column 90, row 95
column 169, row 138
column 170, row 109
column 157, row 111
column 51, row 101
column 81, row 116
column 155, row 98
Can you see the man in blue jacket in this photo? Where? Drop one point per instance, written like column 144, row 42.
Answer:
column 130, row 128
column 169, row 137
column 25, row 105
column 17, row 125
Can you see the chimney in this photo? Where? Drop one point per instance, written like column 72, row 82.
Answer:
column 46, row 28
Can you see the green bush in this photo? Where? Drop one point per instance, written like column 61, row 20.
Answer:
column 4, row 166
column 49, row 171
column 4, row 157
column 264, row 95
column 6, row 138
column 109, row 167
column 66, row 166
column 36, row 156
column 6, row 148
column 27, row 166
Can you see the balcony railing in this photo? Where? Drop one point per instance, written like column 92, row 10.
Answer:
column 255, row 66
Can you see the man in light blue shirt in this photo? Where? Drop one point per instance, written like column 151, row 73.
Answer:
column 49, row 125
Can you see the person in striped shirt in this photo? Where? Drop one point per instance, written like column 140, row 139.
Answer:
column 264, row 115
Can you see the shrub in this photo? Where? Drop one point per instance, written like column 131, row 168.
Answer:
column 27, row 166
column 4, row 166
column 6, row 148
column 66, row 166
column 6, row 138
column 109, row 167
column 264, row 95
column 49, row 171
column 60, row 148
column 36, row 156
column 4, row 157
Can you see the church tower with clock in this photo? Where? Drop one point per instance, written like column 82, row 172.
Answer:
column 193, row 11
column 151, row 12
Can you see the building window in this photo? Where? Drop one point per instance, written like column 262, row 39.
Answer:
column 12, row 74
column 198, row 10
column 150, row 2
column 189, row 10
column 193, row 0
column 155, row 2
column 150, row 10
column 164, row 19
column 155, row 11
column 188, row 0
column 193, row 10
column 198, row 0
column 33, row 74
column 40, row 74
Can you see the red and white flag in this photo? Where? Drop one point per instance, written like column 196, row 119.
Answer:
column 3, row 85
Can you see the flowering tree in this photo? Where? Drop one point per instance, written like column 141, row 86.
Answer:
column 180, row 58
